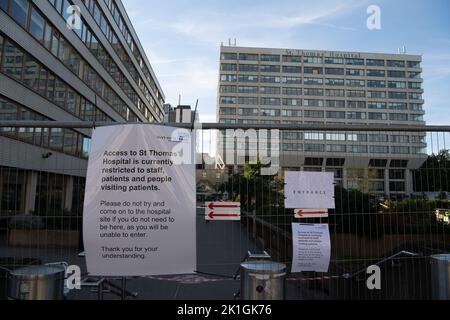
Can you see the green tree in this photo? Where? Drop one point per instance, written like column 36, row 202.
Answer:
column 434, row 175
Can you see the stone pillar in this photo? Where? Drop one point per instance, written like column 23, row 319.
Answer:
column 30, row 191
column 409, row 188
column 387, row 190
column 68, row 193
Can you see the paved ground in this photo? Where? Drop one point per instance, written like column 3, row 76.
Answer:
column 221, row 246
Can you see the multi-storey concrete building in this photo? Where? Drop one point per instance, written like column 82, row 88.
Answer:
column 278, row 86
column 65, row 60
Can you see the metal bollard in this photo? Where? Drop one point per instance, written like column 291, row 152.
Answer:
column 263, row 280
column 440, row 277
column 37, row 283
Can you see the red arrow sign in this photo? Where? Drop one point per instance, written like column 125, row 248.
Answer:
column 213, row 215
column 213, row 206
column 307, row 213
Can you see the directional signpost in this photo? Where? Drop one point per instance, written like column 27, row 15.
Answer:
column 311, row 213
column 223, row 211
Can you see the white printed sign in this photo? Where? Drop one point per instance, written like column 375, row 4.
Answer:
column 309, row 190
column 311, row 247
column 140, row 211
column 227, row 211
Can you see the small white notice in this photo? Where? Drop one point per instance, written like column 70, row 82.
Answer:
column 139, row 213
column 309, row 190
column 311, row 247
column 225, row 211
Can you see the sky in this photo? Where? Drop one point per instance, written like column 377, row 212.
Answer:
column 182, row 39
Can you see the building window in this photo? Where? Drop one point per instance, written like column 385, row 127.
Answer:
column 292, row 91
column 248, row 56
column 415, row 96
column 400, row 150
column 334, row 82
column 314, row 147
column 336, row 148
column 291, row 80
column 269, row 90
column 292, row 69
column 313, row 60
column 356, row 94
column 292, row 59
column 266, row 79
column 247, row 89
column 397, row 84
column 248, row 68
column 334, row 61
column 355, row 83
column 376, row 94
column 356, row 104
column 19, row 11
column 228, row 100
column 229, row 56
column 228, row 67
column 356, row 115
column 248, row 78
column 376, row 73
column 396, row 74
column 334, row 71
column 313, row 70
column 377, row 105
column 413, row 64
column 354, row 62
column 312, row 103
column 376, row 84
column 313, row 114
column 312, row 92
column 270, row 57
column 13, row 61
column 270, row 101
column 375, row 62
column 398, row 106
column 292, row 102
column 269, row 68
column 377, row 116
column 334, row 93
column 37, row 25
column 335, row 103
column 313, row 81
column 357, row 149
column 248, row 100
column 397, row 95
column 379, row 149
column 355, row 72
column 396, row 63
column 336, row 114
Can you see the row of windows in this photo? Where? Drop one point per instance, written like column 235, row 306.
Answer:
column 120, row 22
column 314, row 70
column 320, row 60
column 377, row 116
column 52, row 40
column 86, row 35
column 342, row 148
column 320, row 81
column 61, row 140
column 315, row 92
column 17, row 64
column 320, row 103
column 340, row 136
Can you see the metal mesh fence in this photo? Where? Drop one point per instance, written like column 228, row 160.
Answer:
column 392, row 210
